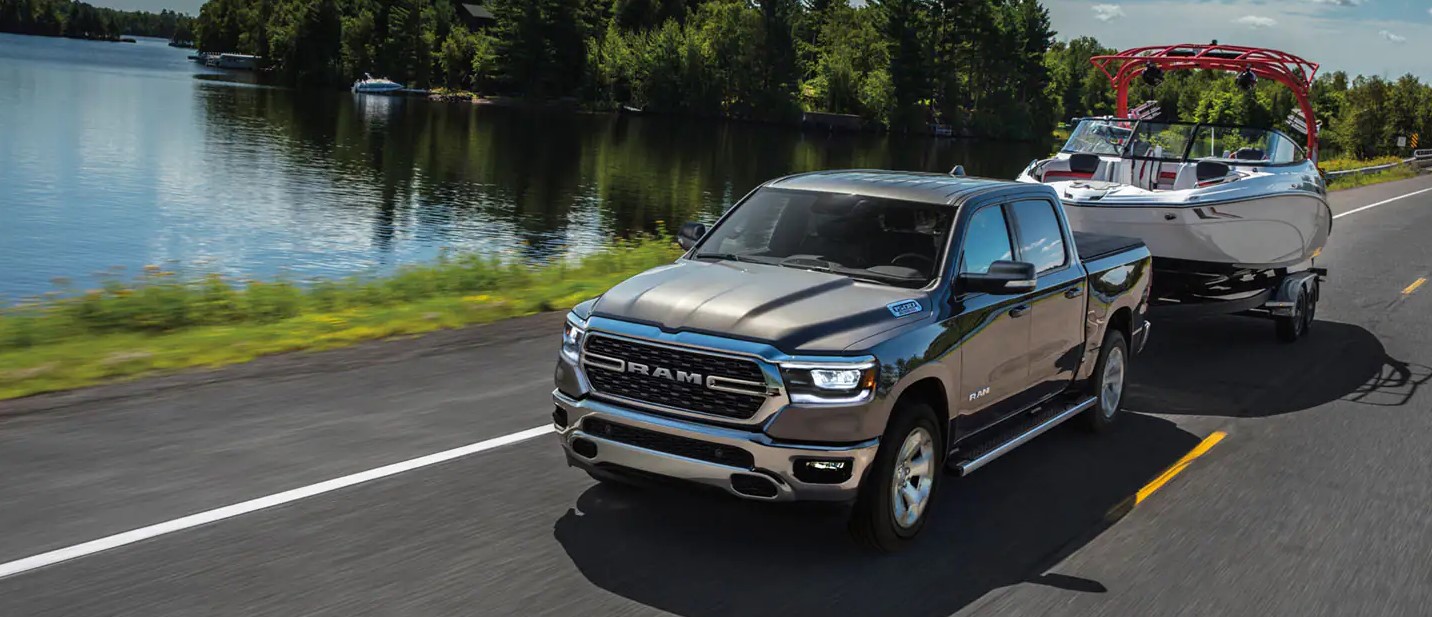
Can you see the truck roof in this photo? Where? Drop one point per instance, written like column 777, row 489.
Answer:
column 923, row 187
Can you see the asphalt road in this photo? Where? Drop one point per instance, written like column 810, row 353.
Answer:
column 1313, row 505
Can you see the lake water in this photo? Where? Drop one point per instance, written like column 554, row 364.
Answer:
column 114, row 156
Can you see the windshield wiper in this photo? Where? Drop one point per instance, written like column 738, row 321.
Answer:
column 857, row 274
column 808, row 263
column 724, row 256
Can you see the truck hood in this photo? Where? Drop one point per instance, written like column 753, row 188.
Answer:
column 796, row 311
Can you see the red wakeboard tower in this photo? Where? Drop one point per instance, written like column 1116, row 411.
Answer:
column 1284, row 68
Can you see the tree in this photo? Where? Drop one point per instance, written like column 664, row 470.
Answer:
column 306, row 39
column 901, row 24
column 851, row 68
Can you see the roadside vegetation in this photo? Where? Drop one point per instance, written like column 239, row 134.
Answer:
column 1400, row 172
column 161, row 322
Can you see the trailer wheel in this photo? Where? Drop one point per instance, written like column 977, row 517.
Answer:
column 1293, row 327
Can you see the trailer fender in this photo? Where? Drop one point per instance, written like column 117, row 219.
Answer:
column 1284, row 300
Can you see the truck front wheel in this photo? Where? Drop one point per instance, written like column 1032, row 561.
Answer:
column 1108, row 382
column 900, row 487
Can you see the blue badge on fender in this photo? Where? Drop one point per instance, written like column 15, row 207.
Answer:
column 904, row 307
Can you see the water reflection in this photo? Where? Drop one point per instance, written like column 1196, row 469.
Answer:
column 219, row 173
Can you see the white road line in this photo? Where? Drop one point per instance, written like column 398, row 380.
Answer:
column 203, row 518
column 1385, row 201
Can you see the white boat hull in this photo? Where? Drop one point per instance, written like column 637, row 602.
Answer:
column 1272, row 231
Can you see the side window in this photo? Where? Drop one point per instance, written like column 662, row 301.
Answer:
column 1041, row 241
column 986, row 241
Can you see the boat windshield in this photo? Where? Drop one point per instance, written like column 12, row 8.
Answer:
column 1105, row 137
column 1244, row 146
column 1182, row 141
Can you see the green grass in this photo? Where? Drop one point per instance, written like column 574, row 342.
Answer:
column 1346, row 164
column 1401, row 172
column 160, row 322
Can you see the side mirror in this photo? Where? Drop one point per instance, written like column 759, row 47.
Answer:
column 689, row 234
column 1004, row 278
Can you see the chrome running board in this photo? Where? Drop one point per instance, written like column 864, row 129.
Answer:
column 964, row 467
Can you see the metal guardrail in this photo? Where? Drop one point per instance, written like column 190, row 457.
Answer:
column 1420, row 158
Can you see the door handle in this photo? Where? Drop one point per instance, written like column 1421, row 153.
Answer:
column 1073, row 292
column 1019, row 311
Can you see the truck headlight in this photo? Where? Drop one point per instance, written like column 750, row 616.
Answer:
column 830, row 384
column 572, row 332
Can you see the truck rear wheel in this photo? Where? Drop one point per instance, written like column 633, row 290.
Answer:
column 1107, row 386
column 899, row 489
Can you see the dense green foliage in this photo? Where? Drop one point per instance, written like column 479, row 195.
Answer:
column 977, row 65
column 83, row 21
column 983, row 67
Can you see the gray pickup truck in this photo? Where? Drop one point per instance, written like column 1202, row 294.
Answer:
column 846, row 335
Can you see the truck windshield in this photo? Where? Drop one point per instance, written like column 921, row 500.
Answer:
column 866, row 238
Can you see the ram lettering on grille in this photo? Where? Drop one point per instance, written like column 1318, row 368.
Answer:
column 664, row 373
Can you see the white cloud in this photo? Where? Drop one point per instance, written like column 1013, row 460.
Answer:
column 1340, row 2
column 1255, row 21
column 1107, row 12
column 1392, row 37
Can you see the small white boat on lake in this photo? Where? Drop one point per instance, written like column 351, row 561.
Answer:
column 376, row 85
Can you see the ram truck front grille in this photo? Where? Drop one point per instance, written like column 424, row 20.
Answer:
column 723, row 386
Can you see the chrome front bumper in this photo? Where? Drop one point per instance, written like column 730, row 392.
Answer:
column 774, row 460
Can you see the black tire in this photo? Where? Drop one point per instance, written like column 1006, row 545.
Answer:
column 1290, row 328
column 1100, row 417
column 873, row 522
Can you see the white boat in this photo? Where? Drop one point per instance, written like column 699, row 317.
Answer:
column 373, row 85
column 234, row 61
column 1203, row 197
column 1233, row 215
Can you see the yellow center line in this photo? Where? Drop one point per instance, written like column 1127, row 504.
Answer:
column 1202, row 448
column 1123, row 507
column 1407, row 291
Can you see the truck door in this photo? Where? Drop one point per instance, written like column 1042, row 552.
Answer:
column 995, row 329
column 1059, row 301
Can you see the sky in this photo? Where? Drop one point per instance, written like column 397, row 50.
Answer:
column 1372, row 37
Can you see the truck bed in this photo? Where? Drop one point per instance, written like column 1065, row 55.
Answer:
column 1093, row 246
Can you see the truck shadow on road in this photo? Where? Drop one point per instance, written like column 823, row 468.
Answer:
column 698, row 554
column 1233, row 366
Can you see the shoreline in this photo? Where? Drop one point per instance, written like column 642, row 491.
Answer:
column 123, row 38
column 161, row 325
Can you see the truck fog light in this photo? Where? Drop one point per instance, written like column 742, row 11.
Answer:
column 824, row 471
